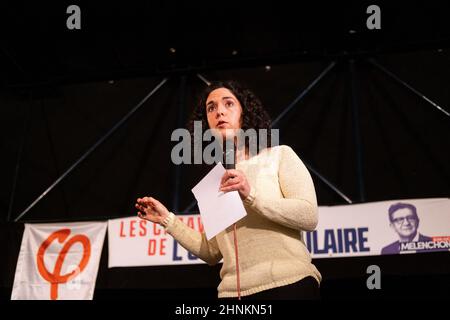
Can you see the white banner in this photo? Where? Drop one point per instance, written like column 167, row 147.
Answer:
column 59, row 261
column 136, row 242
column 387, row 227
column 417, row 225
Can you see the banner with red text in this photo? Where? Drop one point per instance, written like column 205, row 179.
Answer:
column 367, row 229
column 59, row 261
column 136, row 242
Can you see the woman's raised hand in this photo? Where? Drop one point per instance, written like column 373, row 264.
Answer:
column 151, row 209
column 235, row 180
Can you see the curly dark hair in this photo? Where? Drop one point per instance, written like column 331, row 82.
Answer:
column 254, row 115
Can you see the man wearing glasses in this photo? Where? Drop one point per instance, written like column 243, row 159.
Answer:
column 405, row 222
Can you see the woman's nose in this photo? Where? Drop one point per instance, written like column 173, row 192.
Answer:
column 220, row 110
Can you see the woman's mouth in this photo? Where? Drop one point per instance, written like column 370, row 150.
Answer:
column 221, row 124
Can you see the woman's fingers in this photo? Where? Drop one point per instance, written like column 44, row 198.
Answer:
column 146, row 202
column 148, row 218
column 235, row 180
column 229, row 184
column 141, row 202
column 225, row 177
column 142, row 216
column 140, row 208
column 230, row 176
column 232, row 187
column 231, row 181
column 150, row 205
column 150, row 209
column 149, row 201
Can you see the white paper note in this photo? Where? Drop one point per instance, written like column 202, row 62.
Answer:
column 218, row 210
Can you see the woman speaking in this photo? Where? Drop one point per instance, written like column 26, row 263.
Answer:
column 264, row 255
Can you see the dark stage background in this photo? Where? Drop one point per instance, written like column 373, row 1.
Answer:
column 359, row 128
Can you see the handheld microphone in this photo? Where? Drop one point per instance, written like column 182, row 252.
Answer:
column 229, row 159
column 230, row 163
column 229, row 154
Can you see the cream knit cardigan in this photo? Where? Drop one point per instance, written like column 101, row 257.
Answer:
column 272, row 253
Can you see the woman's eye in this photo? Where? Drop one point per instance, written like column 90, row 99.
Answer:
column 229, row 104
